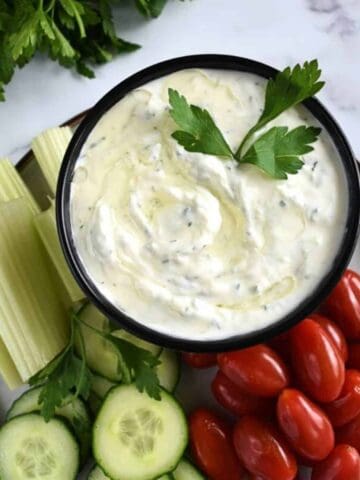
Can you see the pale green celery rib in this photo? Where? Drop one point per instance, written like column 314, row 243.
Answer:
column 49, row 149
column 8, row 369
column 46, row 226
column 34, row 324
column 12, row 185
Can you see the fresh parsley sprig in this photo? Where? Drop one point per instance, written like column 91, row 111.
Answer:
column 276, row 152
column 67, row 376
column 287, row 89
column 76, row 33
column 137, row 365
column 199, row 132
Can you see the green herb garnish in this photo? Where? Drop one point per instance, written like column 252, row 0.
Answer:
column 67, row 376
column 286, row 90
column 276, row 152
column 199, row 132
column 151, row 8
column 138, row 366
column 76, row 33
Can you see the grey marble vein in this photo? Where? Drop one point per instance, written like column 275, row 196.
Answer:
column 344, row 26
column 324, row 6
column 342, row 17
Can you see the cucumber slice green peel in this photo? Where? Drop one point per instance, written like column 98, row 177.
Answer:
column 149, row 436
column 169, row 370
column 151, row 347
column 97, row 474
column 101, row 356
column 34, row 449
column 187, row 471
column 74, row 411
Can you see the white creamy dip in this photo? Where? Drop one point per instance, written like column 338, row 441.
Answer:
column 193, row 245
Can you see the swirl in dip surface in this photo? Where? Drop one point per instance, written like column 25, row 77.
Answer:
column 193, row 245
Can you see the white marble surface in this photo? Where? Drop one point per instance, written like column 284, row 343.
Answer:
column 278, row 32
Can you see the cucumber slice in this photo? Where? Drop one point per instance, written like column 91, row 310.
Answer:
column 149, row 436
column 97, row 474
column 33, row 449
column 101, row 385
column 186, row 471
column 169, row 370
column 154, row 349
column 74, row 412
column 101, row 356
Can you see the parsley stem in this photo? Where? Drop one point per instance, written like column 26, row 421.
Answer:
column 79, row 22
column 239, row 152
column 79, row 320
column 83, row 362
column 51, row 6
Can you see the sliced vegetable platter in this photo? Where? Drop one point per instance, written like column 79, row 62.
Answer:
column 184, row 388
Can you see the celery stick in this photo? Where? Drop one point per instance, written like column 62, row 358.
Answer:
column 8, row 370
column 46, row 226
column 49, row 148
column 33, row 322
column 12, row 185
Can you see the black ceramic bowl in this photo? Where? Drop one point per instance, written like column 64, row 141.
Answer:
column 238, row 341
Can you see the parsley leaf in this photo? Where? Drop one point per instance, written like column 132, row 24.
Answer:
column 24, row 37
column 65, row 377
column 61, row 48
column 287, row 89
column 7, row 64
column 199, row 132
column 151, row 8
column 277, row 151
column 68, row 379
column 5, row 17
column 45, row 24
column 76, row 10
column 140, row 363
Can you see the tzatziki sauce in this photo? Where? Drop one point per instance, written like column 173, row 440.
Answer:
column 196, row 246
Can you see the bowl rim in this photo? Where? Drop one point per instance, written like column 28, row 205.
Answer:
column 306, row 307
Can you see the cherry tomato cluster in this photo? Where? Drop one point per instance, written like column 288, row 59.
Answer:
column 296, row 400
